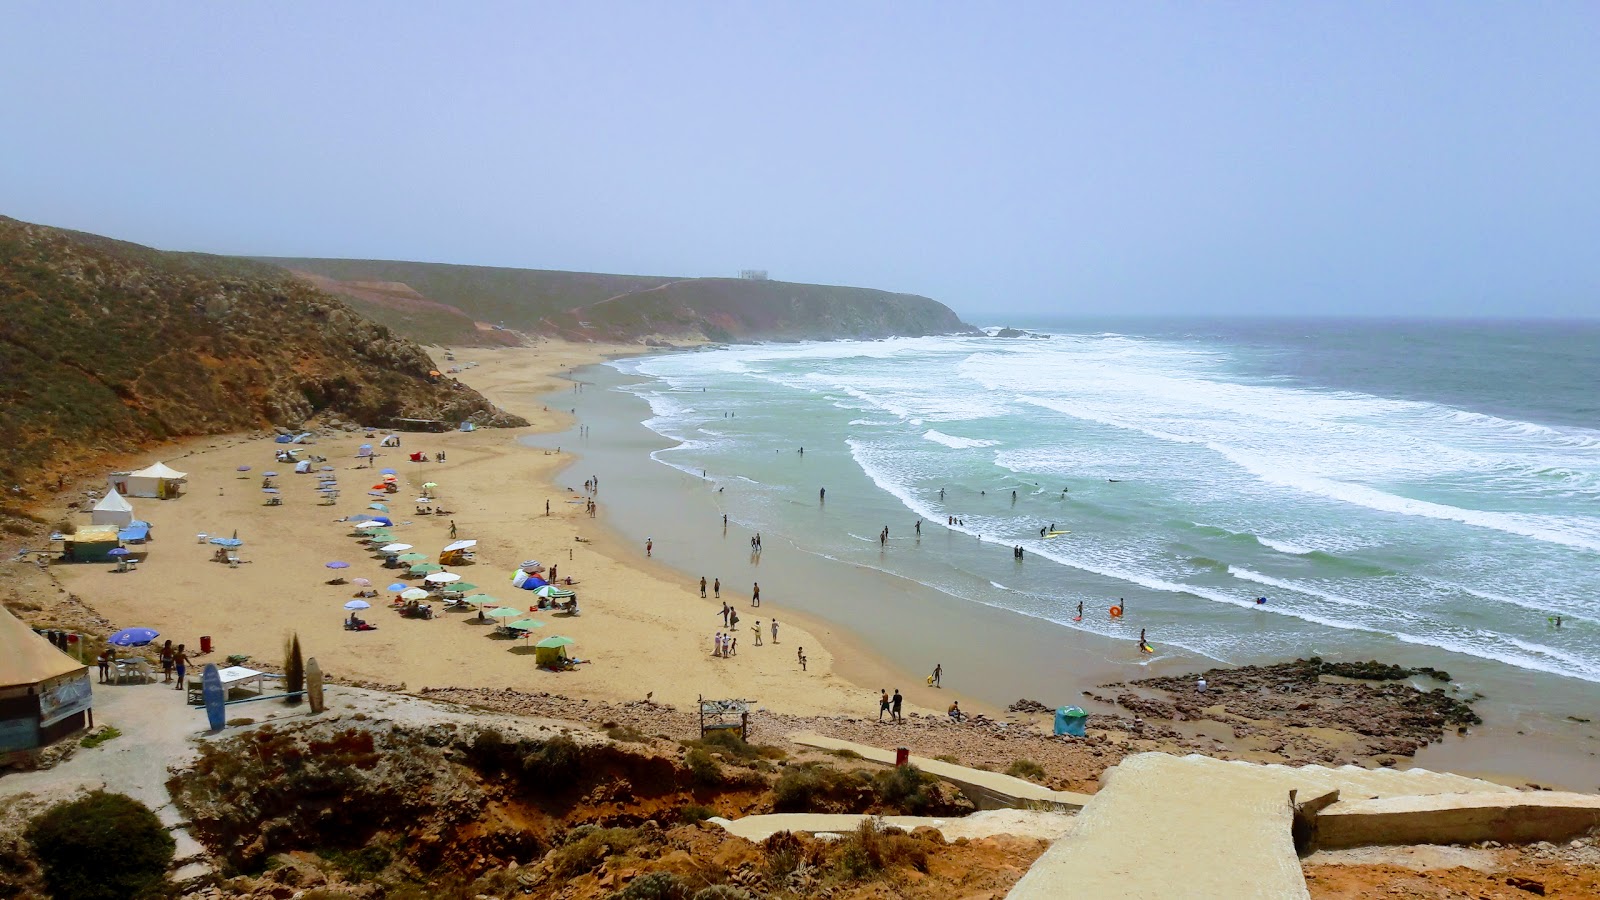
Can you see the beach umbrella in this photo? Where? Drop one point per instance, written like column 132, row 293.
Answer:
column 530, row 565
column 525, row 624
column 269, row 474
column 430, row 484
column 357, row 604
column 336, row 564
column 399, row 586
column 484, row 600
column 463, row 586
column 424, row 501
column 118, row 551
column 387, row 471
column 382, row 520
column 243, row 469
column 227, row 542
column 396, row 548
column 269, row 490
column 134, row 637
column 413, row 594
column 327, row 469
column 550, row 591
column 556, row 641
column 442, row 578
column 412, row 557
column 425, row 568
column 375, row 493
column 458, row 545
column 361, row 582
column 505, row 612
column 378, row 506
column 389, row 478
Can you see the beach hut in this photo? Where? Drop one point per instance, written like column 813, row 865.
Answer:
column 45, row 695
column 112, row 510
column 160, row 481
column 91, row 543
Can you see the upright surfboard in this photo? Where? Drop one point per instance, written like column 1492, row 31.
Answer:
column 314, row 684
column 211, row 692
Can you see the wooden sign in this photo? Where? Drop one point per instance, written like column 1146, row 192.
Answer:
column 314, row 685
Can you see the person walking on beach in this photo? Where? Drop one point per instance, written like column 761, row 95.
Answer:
column 166, row 663
column 702, row 587
column 755, row 600
column 733, row 646
column 547, row 507
column 802, row 656
column 452, row 529
column 757, row 630
column 774, row 631
column 180, row 661
column 716, row 644
column 649, row 546
column 724, row 521
column 716, row 587
column 894, row 706
column 938, row 674
column 883, row 703
column 733, row 618
column 758, row 542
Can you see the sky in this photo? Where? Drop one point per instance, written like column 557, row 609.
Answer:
column 1418, row 158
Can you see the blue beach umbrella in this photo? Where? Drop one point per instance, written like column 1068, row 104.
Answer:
column 378, row 506
column 134, row 637
column 269, row 490
column 399, row 586
column 387, row 472
column 118, row 551
column 244, row 468
column 338, row 565
column 227, row 542
column 269, row 474
column 382, row 520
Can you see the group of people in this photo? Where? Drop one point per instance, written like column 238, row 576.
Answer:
column 173, row 659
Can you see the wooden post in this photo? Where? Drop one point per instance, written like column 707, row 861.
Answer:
column 314, row 685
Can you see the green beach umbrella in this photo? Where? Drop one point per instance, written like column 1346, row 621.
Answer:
column 484, row 600
column 425, row 568
column 557, row 641
column 504, row 612
column 525, row 624
column 412, row 557
column 463, row 586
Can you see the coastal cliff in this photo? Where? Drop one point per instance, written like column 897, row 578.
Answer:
column 108, row 346
column 593, row 306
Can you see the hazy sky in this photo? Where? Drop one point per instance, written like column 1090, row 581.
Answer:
column 1107, row 158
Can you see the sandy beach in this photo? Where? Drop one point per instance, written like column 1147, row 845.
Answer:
column 643, row 628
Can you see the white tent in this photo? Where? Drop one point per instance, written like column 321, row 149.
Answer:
column 112, row 510
column 159, row 480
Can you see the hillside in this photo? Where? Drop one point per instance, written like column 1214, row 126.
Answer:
column 628, row 307
column 109, row 345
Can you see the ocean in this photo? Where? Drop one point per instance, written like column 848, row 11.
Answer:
column 1426, row 492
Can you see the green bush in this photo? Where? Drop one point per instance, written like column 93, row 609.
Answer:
column 362, row 863
column 587, row 847
column 871, row 849
column 102, row 846
column 294, row 668
column 626, row 734
column 906, row 788
column 654, row 886
column 705, row 770
column 692, row 813
column 723, row 892
column 1026, row 768
column 100, row 736
column 555, row 761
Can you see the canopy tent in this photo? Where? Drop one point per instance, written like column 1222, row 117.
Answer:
column 112, row 510
column 90, row 543
column 1071, row 720
column 44, row 693
column 527, row 582
column 137, row 532
column 160, row 481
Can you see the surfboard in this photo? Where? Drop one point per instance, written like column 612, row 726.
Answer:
column 1057, row 533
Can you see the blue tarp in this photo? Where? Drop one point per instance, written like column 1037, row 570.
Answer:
column 284, row 439
column 135, row 533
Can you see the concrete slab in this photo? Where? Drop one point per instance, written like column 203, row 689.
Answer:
column 1021, row 823
column 1510, row 818
column 987, row 790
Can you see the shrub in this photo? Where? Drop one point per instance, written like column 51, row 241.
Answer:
column 627, row 734
column 100, row 736
column 845, row 753
column 654, row 886
column 784, row 852
column 1026, row 768
column 102, row 846
column 905, row 787
column 294, row 668
column 809, row 787
column 722, row 892
column 692, row 813
column 871, row 849
column 362, row 863
column 587, row 847
column 556, row 760
column 705, row 770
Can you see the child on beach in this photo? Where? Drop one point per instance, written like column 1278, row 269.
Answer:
column 802, row 655
column 180, row 661
column 757, row 630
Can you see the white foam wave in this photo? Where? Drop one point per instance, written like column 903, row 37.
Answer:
column 1248, row 575
column 957, row 443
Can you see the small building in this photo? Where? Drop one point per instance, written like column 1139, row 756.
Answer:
column 91, row 543
column 160, row 481
column 112, row 510
column 45, row 695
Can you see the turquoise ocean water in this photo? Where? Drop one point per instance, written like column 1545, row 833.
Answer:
column 1418, row 491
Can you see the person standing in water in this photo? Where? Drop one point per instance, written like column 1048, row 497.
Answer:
column 716, row 587
column 822, row 495
column 938, row 674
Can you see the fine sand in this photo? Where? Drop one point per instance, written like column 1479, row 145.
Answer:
column 643, row 627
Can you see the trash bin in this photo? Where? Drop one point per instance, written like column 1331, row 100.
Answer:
column 902, row 756
column 205, row 643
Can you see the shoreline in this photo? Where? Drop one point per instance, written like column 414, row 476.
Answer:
column 642, row 622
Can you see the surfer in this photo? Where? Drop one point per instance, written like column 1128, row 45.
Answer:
column 941, row 493
column 1079, row 616
column 1041, row 532
column 1261, row 601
